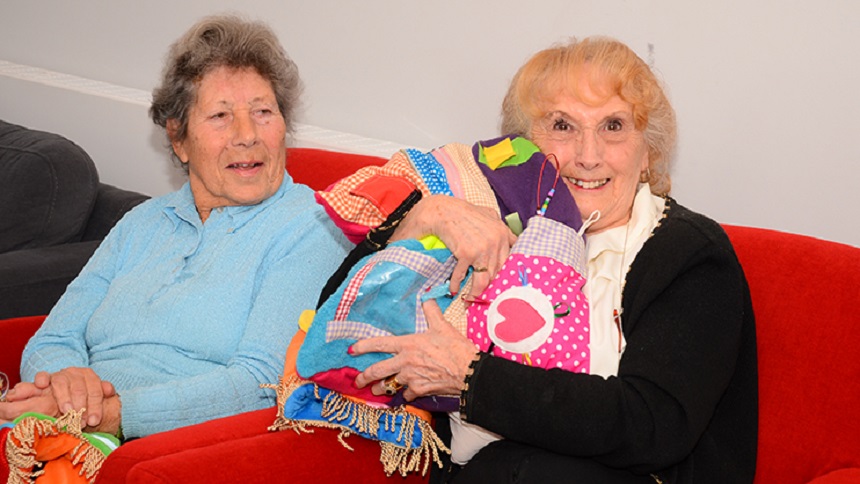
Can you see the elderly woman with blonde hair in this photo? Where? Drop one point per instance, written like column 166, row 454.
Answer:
column 671, row 395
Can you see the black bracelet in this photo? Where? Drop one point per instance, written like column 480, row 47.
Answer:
column 469, row 373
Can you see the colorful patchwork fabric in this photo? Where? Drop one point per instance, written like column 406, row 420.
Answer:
column 533, row 312
column 39, row 448
column 431, row 171
column 523, row 187
column 371, row 303
column 355, row 213
column 348, row 206
column 408, row 442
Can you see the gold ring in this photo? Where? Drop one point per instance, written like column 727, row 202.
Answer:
column 391, row 386
column 479, row 269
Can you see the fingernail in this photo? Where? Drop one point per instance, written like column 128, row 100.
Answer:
column 92, row 421
column 349, row 350
column 10, row 392
column 67, row 408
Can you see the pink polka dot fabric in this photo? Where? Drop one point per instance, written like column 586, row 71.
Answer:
column 535, row 313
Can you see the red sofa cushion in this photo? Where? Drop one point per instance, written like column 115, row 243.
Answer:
column 803, row 292
column 240, row 449
column 842, row 476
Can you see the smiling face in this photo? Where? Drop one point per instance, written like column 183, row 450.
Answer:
column 600, row 152
column 235, row 147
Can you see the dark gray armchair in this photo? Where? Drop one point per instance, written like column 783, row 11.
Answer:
column 53, row 214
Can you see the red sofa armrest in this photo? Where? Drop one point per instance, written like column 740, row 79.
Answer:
column 804, row 291
column 14, row 334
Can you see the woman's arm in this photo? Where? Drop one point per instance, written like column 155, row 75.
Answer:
column 684, row 329
column 476, row 236
column 57, row 356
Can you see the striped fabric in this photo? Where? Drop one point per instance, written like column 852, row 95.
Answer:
column 475, row 186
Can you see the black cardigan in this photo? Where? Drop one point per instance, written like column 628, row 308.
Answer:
column 684, row 404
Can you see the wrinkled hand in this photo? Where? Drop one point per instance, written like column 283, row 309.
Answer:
column 26, row 397
column 475, row 235
column 76, row 388
column 431, row 363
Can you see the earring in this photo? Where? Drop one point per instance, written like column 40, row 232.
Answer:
column 645, row 176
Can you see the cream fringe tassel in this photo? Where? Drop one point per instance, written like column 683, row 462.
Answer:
column 22, row 456
column 336, row 408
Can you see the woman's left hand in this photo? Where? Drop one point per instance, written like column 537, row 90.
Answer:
column 25, row 397
column 431, row 363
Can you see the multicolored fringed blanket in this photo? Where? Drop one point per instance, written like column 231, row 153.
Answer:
column 534, row 311
column 38, row 448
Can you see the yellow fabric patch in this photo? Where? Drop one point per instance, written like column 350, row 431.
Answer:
column 306, row 318
column 499, row 153
column 431, row 242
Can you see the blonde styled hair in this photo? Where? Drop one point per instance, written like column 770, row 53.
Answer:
column 610, row 68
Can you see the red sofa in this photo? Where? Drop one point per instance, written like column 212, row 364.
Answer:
column 809, row 371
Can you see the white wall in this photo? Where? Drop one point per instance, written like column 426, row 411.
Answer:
column 766, row 92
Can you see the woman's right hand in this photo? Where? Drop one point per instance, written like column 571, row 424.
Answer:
column 475, row 235
column 434, row 362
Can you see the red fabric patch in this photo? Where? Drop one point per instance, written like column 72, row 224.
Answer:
column 385, row 192
column 353, row 231
column 343, row 380
column 320, row 168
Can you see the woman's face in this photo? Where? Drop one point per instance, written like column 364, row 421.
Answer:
column 600, row 154
column 235, row 147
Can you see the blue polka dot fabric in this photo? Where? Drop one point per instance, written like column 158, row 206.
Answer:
column 431, row 171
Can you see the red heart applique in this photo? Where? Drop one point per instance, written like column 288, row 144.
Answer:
column 519, row 320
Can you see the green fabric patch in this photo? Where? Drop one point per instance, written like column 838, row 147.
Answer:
column 523, row 151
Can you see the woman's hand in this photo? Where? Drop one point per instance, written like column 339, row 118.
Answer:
column 475, row 235
column 26, row 397
column 77, row 388
column 431, row 363
column 111, row 417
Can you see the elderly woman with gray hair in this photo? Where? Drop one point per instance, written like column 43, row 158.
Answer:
column 186, row 307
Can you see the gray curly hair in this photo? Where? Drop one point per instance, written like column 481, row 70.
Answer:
column 217, row 41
